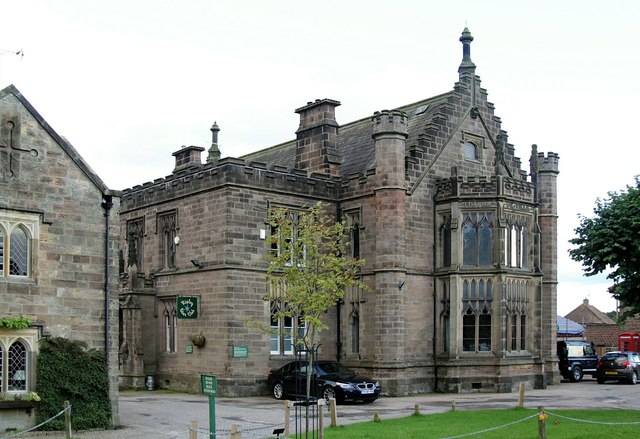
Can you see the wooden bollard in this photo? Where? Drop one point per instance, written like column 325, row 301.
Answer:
column 376, row 417
column 235, row 433
column 416, row 409
column 287, row 417
column 521, row 395
column 193, row 430
column 321, row 403
column 67, row 419
column 542, row 417
column 453, row 406
column 333, row 412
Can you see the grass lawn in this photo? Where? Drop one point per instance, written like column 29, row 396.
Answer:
column 457, row 423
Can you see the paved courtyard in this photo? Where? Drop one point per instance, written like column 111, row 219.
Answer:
column 153, row 414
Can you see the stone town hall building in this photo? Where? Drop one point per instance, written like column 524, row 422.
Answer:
column 459, row 243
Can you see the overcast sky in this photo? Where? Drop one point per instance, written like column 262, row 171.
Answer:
column 129, row 82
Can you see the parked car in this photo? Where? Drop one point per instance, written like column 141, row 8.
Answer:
column 576, row 358
column 620, row 366
column 329, row 379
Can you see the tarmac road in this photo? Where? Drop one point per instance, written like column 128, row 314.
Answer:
column 154, row 414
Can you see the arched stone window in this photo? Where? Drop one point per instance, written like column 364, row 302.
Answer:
column 17, row 372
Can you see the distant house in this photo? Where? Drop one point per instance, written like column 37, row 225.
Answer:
column 600, row 329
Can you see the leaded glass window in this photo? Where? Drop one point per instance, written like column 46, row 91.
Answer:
column 477, row 238
column 167, row 229
column 17, row 367
column 18, row 253
column 477, row 304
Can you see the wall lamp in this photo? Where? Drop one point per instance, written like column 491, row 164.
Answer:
column 197, row 263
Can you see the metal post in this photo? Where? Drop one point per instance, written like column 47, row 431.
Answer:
column 212, row 416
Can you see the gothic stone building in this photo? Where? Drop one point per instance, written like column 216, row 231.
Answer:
column 58, row 248
column 459, row 243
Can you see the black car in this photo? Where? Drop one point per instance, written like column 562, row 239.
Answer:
column 330, row 379
column 576, row 359
column 620, row 366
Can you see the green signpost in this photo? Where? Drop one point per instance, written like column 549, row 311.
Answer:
column 210, row 387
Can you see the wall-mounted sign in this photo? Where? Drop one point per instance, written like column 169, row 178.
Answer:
column 187, row 307
column 189, row 349
column 240, row 352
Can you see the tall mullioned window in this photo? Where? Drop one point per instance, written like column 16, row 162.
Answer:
column 477, row 308
column 477, row 238
column 515, row 243
column 168, row 231
column 135, row 239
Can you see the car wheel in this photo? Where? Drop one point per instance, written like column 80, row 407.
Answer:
column 634, row 378
column 576, row 374
column 328, row 393
column 278, row 391
column 600, row 380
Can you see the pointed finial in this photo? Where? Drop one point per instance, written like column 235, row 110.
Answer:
column 466, row 40
column 214, row 132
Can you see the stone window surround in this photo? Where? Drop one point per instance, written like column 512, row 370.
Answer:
column 30, row 224
column 29, row 338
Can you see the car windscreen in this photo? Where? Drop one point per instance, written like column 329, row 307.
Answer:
column 335, row 369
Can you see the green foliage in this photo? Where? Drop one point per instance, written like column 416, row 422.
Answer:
column 15, row 322
column 67, row 371
column 468, row 422
column 308, row 267
column 610, row 242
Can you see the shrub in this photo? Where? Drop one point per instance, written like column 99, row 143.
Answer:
column 68, row 371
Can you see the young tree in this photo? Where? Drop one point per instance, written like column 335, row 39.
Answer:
column 611, row 241
column 309, row 269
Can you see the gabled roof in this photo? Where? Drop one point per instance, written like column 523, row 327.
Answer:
column 64, row 144
column 586, row 313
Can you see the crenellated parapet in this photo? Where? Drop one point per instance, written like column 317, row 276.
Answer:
column 479, row 186
column 230, row 172
column 389, row 122
column 548, row 163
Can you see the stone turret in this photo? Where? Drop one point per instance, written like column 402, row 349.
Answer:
column 317, row 138
column 390, row 132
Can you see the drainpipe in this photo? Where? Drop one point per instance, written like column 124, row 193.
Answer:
column 435, row 316
column 107, row 204
column 339, row 306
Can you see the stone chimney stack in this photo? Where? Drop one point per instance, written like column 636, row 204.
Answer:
column 188, row 157
column 317, row 138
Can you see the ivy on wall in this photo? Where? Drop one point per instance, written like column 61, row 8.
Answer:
column 68, row 371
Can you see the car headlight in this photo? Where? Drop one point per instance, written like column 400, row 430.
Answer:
column 345, row 386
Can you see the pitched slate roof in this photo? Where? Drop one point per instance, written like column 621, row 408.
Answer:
column 355, row 142
column 586, row 313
